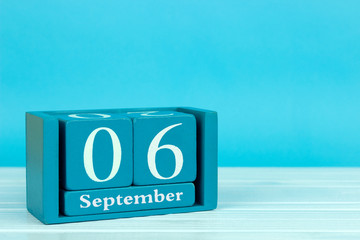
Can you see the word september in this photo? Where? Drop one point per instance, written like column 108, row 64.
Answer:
column 107, row 202
column 126, row 199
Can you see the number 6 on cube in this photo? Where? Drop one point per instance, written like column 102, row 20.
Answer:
column 154, row 147
column 164, row 148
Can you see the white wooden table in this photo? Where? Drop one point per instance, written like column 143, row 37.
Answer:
column 254, row 203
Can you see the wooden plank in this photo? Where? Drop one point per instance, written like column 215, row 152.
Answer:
column 254, row 203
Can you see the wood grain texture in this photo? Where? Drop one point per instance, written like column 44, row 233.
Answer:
column 254, row 203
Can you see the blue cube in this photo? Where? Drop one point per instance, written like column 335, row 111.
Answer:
column 95, row 151
column 164, row 147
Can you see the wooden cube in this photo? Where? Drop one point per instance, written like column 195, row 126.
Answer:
column 104, row 164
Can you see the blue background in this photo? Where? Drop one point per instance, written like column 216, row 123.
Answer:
column 283, row 75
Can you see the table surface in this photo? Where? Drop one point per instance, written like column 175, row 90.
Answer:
column 254, row 203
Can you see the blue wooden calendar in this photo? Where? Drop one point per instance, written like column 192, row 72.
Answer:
column 116, row 163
